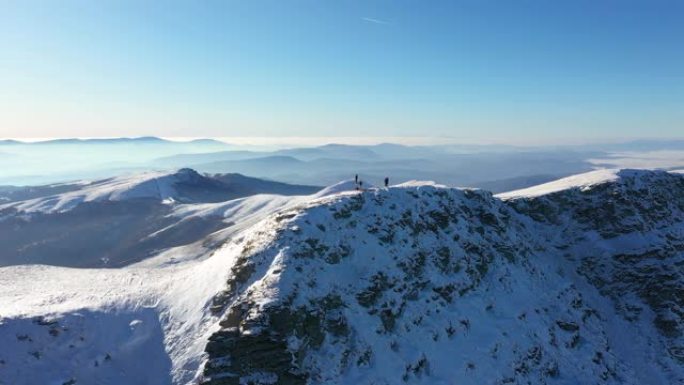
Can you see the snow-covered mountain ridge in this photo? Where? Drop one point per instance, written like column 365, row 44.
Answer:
column 416, row 284
column 428, row 285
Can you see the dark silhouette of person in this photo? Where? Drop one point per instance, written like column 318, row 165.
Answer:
column 386, row 181
column 356, row 178
column 360, row 185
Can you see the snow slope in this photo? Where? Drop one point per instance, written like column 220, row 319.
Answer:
column 184, row 186
column 416, row 284
column 123, row 220
column 131, row 325
column 152, row 185
column 147, row 323
column 580, row 181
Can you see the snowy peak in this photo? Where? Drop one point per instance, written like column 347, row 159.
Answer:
column 159, row 186
column 344, row 275
column 153, row 185
column 182, row 186
column 421, row 284
column 123, row 220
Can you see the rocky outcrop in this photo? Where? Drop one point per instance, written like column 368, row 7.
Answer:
column 627, row 239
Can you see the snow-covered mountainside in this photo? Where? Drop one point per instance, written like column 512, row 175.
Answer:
column 578, row 281
column 185, row 186
column 122, row 220
column 625, row 237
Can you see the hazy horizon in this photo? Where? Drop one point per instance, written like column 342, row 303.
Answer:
column 313, row 141
column 327, row 160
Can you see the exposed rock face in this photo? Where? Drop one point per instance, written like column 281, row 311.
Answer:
column 433, row 285
column 627, row 239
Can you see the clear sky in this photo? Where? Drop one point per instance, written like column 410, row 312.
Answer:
column 476, row 69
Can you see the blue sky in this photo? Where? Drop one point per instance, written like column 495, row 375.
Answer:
column 478, row 70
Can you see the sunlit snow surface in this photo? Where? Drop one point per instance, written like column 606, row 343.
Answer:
column 576, row 181
column 149, row 323
column 165, row 297
column 151, row 185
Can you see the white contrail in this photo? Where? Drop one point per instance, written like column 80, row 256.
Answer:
column 375, row 21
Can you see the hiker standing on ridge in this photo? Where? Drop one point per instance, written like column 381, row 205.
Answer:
column 386, row 182
column 356, row 178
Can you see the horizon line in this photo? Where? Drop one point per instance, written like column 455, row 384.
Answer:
column 312, row 141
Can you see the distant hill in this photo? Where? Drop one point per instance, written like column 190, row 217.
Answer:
column 122, row 220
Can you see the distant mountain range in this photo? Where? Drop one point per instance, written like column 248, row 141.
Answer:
column 142, row 139
column 496, row 167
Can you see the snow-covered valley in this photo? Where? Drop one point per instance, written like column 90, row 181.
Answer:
column 576, row 281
